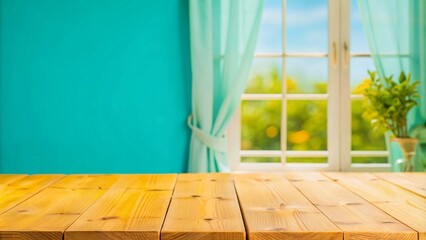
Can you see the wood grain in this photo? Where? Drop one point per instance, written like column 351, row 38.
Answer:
column 134, row 208
column 405, row 206
column 204, row 206
column 275, row 209
column 5, row 179
column 358, row 206
column 357, row 218
column 16, row 192
column 414, row 181
column 47, row 214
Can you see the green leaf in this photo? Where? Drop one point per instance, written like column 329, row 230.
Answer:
column 402, row 77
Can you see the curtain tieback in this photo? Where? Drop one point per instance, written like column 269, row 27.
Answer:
column 218, row 144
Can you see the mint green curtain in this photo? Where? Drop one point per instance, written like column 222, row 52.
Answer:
column 223, row 39
column 396, row 31
column 417, row 118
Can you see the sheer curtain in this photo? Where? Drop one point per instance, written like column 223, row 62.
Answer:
column 223, row 39
column 396, row 31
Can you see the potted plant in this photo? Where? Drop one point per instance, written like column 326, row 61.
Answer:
column 387, row 104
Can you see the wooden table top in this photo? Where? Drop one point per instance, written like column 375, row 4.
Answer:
column 261, row 206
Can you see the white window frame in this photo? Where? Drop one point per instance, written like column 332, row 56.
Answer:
column 338, row 98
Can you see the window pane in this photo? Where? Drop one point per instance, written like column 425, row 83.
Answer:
column 261, row 159
column 306, row 160
column 260, row 125
column 358, row 39
column 369, row 160
column 303, row 79
column 306, row 25
column 270, row 32
column 306, row 125
column 359, row 68
column 265, row 76
column 363, row 136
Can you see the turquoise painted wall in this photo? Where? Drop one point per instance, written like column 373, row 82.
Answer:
column 94, row 86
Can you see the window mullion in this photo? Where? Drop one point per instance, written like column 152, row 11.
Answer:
column 289, row 96
column 333, row 84
column 283, row 134
column 345, row 91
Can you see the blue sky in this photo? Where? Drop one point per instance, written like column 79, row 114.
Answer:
column 306, row 31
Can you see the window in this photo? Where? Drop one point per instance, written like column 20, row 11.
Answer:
column 302, row 107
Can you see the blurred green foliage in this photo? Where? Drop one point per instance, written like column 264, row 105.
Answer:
column 306, row 122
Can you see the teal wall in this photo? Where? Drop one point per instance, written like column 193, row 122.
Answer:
column 94, row 86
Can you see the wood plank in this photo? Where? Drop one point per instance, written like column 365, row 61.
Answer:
column 87, row 181
column 48, row 213
column 5, row 179
column 275, row 209
column 16, row 192
column 405, row 206
column 414, row 181
column 134, row 208
column 357, row 218
column 204, row 206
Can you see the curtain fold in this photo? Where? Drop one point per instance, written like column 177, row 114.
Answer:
column 417, row 118
column 396, row 32
column 223, row 39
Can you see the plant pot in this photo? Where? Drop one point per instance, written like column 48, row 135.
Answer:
column 408, row 148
